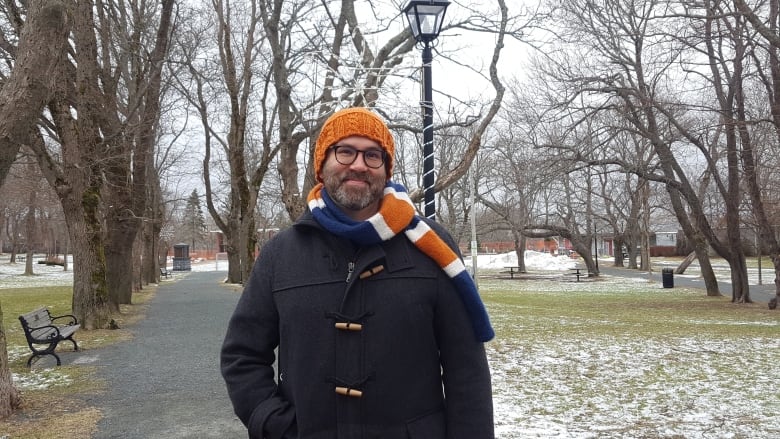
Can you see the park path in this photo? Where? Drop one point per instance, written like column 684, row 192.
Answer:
column 758, row 293
column 165, row 382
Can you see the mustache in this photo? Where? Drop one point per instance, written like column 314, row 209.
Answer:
column 360, row 176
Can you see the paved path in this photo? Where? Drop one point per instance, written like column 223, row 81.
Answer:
column 758, row 293
column 165, row 382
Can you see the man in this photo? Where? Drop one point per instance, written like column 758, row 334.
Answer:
column 378, row 325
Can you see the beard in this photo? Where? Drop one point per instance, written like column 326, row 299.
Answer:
column 351, row 198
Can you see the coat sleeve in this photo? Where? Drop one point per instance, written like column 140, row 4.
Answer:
column 465, row 370
column 248, row 355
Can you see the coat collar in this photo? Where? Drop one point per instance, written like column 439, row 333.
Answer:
column 396, row 253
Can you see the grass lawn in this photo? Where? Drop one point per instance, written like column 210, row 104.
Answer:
column 605, row 358
column 52, row 397
column 625, row 359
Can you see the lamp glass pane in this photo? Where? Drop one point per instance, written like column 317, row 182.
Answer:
column 429, row 24
column 412, row 18
column 425, row 20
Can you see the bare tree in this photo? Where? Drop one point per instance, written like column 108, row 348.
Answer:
column 99, row 147
column 766, row 58
column 630, row 77
column 516, row 174
column 131, row 94
column 26, row 90
column 22, row 98
column 227, row 96
column 23, row 95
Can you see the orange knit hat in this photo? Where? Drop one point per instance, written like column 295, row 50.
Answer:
column 356, row 121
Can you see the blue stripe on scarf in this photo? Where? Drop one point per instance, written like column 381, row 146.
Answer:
column 333, row 219
column 474, row 306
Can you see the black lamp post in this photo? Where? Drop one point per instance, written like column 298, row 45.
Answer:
column 425, row 19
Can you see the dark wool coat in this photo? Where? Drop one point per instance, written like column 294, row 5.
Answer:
column 370, row 340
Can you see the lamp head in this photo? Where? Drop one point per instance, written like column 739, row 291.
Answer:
column 425, row 18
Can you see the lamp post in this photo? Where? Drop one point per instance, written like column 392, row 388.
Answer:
column 425, row 19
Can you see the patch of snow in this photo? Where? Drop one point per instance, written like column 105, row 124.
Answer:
column 38, row 379
column 536, row 261
column 12, row 275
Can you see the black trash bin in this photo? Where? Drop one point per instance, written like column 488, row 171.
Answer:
column 667, row 275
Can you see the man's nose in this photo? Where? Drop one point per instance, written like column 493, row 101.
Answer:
column 360, row 161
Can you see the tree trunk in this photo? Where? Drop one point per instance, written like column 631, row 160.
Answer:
column 119, row 261
column 126, row 168
column 9, row 396
column 90, row 292
column 618, row 251
column 249, row 236
column 633, row 252
column 25, row 92
column 590, row 263
column 138, row 261
column 520, row 242
column 233, row 249
column 776, row 263
column 151, row 232
column 686, row 262
column 30, row 232
column 702, row 250
column 150, row 267
column 644, row 256
column 739, row 280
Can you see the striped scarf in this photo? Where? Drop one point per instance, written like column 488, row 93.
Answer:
column 396, row 215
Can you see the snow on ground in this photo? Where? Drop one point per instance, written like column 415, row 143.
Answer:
column 589, row 386
column 610, row 385
column 534, row 261
column 11, row 275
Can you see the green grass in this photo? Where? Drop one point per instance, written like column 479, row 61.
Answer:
column 624, row 358
column 53, row 404
column 628, row 309
column 18, row 301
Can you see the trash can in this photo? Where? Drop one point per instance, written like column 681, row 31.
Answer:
column 667, row 275
column 181, row 257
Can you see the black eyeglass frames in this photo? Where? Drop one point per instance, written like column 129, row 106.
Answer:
column 346, row 155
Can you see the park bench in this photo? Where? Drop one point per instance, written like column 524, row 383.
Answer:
column 164, row 272
column 512, row 271
column 578, row 273
column 43, row 334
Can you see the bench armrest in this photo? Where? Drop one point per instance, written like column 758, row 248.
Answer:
column 52, row 333
column 71, row 317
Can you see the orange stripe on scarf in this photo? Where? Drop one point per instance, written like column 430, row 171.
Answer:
column 436, row 249
column 396, row 213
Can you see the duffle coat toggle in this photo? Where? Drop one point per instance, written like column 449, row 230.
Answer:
column 353, row 390
column 349, row 326
column 346, row 391
column 348, row 323
column 372, row 271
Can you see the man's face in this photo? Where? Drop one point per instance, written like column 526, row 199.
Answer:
column 356, row 188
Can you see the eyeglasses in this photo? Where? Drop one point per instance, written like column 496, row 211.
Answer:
column 346, row 155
